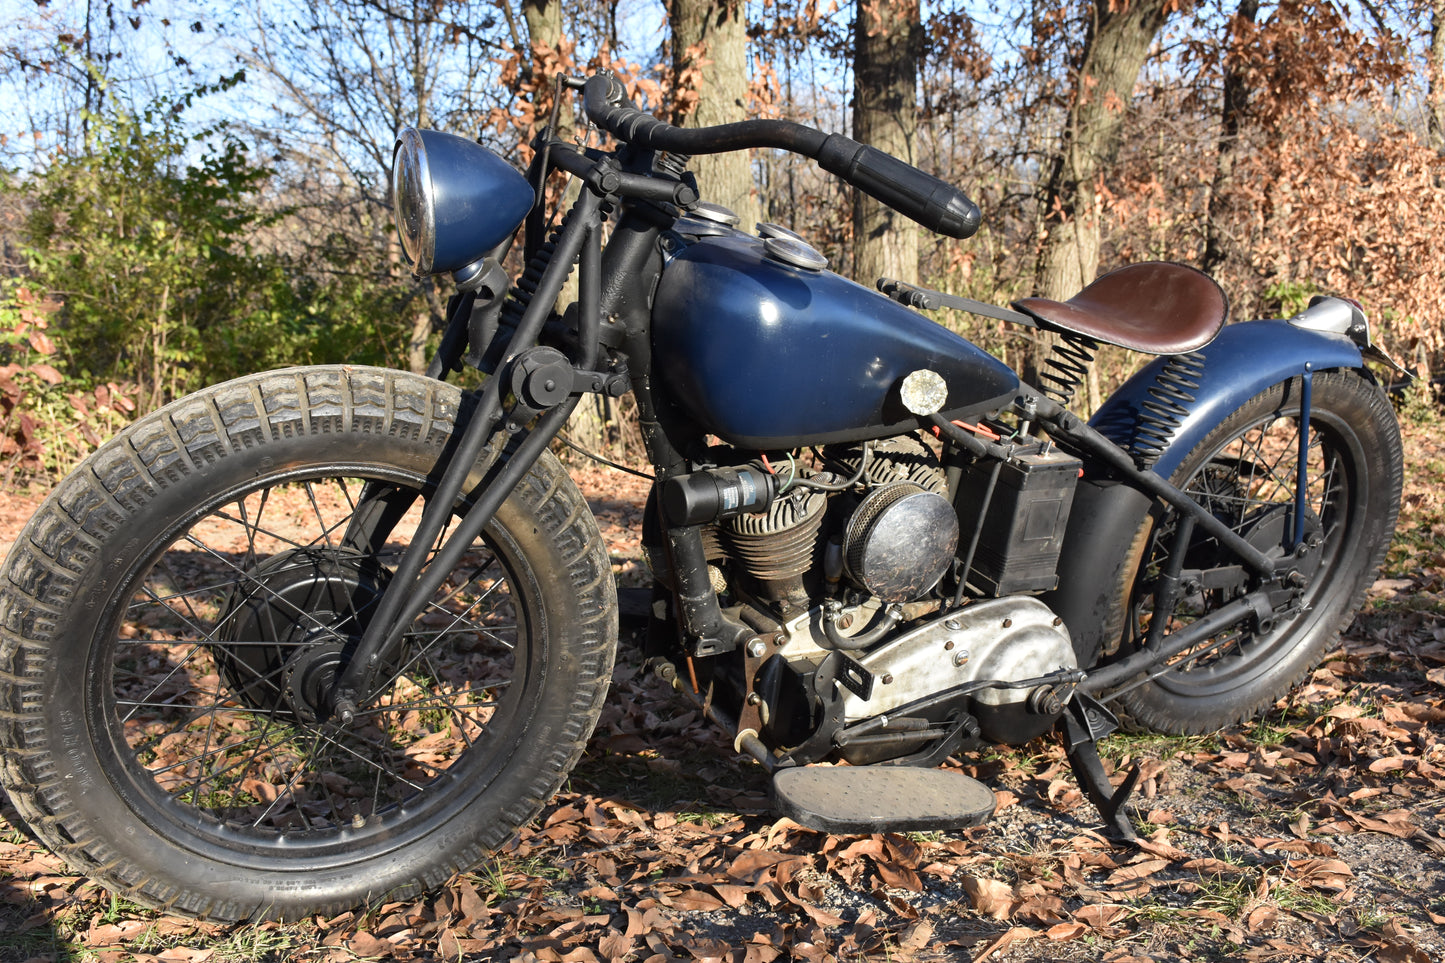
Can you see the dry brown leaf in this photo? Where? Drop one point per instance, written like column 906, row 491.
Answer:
column 363, row 943
column 1209, row 866
column 1159, row 845
column 1261, row 919
column 182, row 954
column 819, row 915
column 1060, row 932
column 735, row 896
column 917, row 936
column 581, row 954
column 115, row 932
column 1041, row 909
column 1099, row 915
column 869, row 846
column 755, row 863
column 991, row 897
column 470, row 903
column 1325, row 874
column 1135, row 871
column 692, row 899
column 600, row 892
column 899, row 877
column 1011, row 936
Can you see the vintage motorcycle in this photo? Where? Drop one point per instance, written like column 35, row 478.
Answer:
column 327, row 634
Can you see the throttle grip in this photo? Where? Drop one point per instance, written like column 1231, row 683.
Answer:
column 934, row 203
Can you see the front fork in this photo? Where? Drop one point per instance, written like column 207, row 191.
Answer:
column 532, row 378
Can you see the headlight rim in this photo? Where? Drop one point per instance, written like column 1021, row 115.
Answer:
column 409, row 157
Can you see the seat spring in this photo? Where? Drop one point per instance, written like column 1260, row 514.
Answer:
column 1171, row 394
column 1068, row 365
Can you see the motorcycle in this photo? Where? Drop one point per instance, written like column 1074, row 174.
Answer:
column 324, row 635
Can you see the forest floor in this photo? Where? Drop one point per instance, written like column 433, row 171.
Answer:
column 1317, row 833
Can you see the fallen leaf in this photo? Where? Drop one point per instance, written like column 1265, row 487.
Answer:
column 1065, row 931
column 1135, row 871
column 1013, row 935
column 991, row 897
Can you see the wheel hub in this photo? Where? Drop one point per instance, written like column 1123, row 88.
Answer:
column 1272, row 532
column 308, row 679
column 290, row 624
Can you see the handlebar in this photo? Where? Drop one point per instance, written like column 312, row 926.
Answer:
column 936, row 204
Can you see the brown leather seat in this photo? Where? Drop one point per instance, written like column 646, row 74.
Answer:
column 1156, row 307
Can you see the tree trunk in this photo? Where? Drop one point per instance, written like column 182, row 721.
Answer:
column 1435, row 121
column 1236, row 100
column 545, row 33
column 887, row 37
column 430, row 316
column 1114, row 52
column 710, row 76
column 1120, row 35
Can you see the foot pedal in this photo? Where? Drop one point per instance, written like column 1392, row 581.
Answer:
column 880, row 799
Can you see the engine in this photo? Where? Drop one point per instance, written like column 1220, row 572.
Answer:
column 850, row 565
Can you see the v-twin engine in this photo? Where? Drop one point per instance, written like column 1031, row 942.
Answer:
column 844, row 556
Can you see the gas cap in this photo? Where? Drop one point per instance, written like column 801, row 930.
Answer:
column 716, row 213
column 795, row 252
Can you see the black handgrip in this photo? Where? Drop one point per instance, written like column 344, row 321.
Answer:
column 936, row 204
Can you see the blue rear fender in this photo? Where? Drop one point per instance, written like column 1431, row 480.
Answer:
column 1106, row 533
column 1244, row 360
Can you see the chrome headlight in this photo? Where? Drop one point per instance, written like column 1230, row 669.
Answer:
column 454, row 200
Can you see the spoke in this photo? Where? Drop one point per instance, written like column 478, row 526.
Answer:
column 436, row 636
column 296, row 801
column 181, row 664
column 270, row 593
column 366, row 761
column 265, row 501
column 1289, row 448
column 475, row 574
column 316, row 509
column 323, row 535
column 193, row 758
column 439, row 703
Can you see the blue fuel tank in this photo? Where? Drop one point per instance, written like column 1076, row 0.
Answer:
column 768, row 355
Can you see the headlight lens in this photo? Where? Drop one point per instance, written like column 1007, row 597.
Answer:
column 454, row 200
column 412, row 201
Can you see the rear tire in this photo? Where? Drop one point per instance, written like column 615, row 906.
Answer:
column 1245, row 471
column 171, row 615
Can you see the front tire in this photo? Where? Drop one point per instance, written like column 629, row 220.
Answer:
column 1245, row 473
column 170, row 617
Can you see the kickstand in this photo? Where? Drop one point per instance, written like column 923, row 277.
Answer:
column 1086, row 721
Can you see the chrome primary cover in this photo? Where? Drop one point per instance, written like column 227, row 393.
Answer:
column 1006, row 640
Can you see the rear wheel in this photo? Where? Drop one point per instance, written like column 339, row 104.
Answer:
column 174, row 615
column 1246, row 473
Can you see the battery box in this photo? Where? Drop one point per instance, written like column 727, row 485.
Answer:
column 1024, row 523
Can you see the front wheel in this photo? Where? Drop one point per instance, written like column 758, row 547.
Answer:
column 1246, row 473
column 171, row 618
